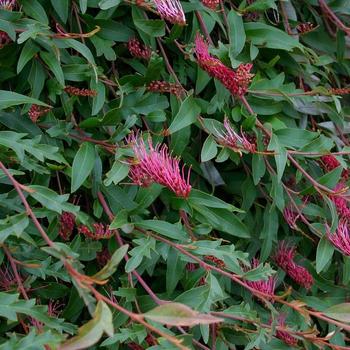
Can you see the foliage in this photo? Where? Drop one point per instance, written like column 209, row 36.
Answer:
column 173, row 175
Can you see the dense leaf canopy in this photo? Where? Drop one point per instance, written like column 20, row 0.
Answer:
column 174, row 175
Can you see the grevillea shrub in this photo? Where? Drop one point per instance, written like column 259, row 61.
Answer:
column 174, row 174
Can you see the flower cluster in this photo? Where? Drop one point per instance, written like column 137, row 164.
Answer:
column 157, row 165
column 340, row 201
column 265, row 286
column 212, row 4
column 284, row 258
column 103, row 257
column 100, row 231
column 67, row 223
column 341, row 237
column 339, row 91
column 165, row 87
column 304, row 28
column 216, row 261
column 329, row 163
column 236, row 82
column 7, row 278
column 229, row 138
column 35, row 112
column 138, row 50
column 284, row 335
column 171, row 10
column 72, row 90
column 7, row 4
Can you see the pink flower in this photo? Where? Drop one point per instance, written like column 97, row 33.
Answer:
column 67, row 223
column 291, row 217
column 330, row 163
column 265, row 286
column 171, row 10
column 7, row 4
column 138, row 50
column 231, row 139
column 100, row 231
column 156, row 165
column 284, row 335
column 284, row 258
column 7, row 278
column 339, row 200
column 212, row 4
column 236, row 82
column 164, row 86
column 340, row 238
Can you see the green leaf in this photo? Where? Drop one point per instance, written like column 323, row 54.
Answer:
column 91, row 332
column 28, row 52
column 152, row 27
column 54, row 65
column 109, row 269
column 209, row 149
column 236, row 33
column 83, row 164
column 118, row 172
column 222, row 220
column 187, row 115
column 83, row 5
column 261, row 34
column 34, row 9
column 176, row 314
column 62, row 9
column 324, row 253
column 201, row 198
column 51, row 200
column 339, row 312
column 119, row 220
column 163, row 228
column 280, row 156
column 10, row 98
column 13, row 225
column 107, row 4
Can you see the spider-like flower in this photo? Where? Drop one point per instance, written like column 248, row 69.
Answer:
column 329, row 163
column 212, row 4
column 233, row 140
column 284, row 258
column 165, row 87
column 67, row 223
column 35, row 112
column 139, row 50
column 100, row 231
column 284, row 335
column 265, row 286
column 236, row 82
column 72, row 90
column 340, row 201
column 7, row 4
column 341, row 237
column 291, row 217
column 171, row 10
column 157, row 165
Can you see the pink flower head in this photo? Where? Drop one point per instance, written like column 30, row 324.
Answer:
column 284, row 335
column 212, row 4
column 329, row 163
column 341, row 237
column 157, row 165
column 236, row 82
column 291, row 217
column 100, row 231
column 265, row 286
column 138, row 50
column 67, row 223
column 171, row 10
column 340, row 201
column 165, row 87
column 231, row 139
column 7, row 278
column 7, row 4
column 284, row 258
